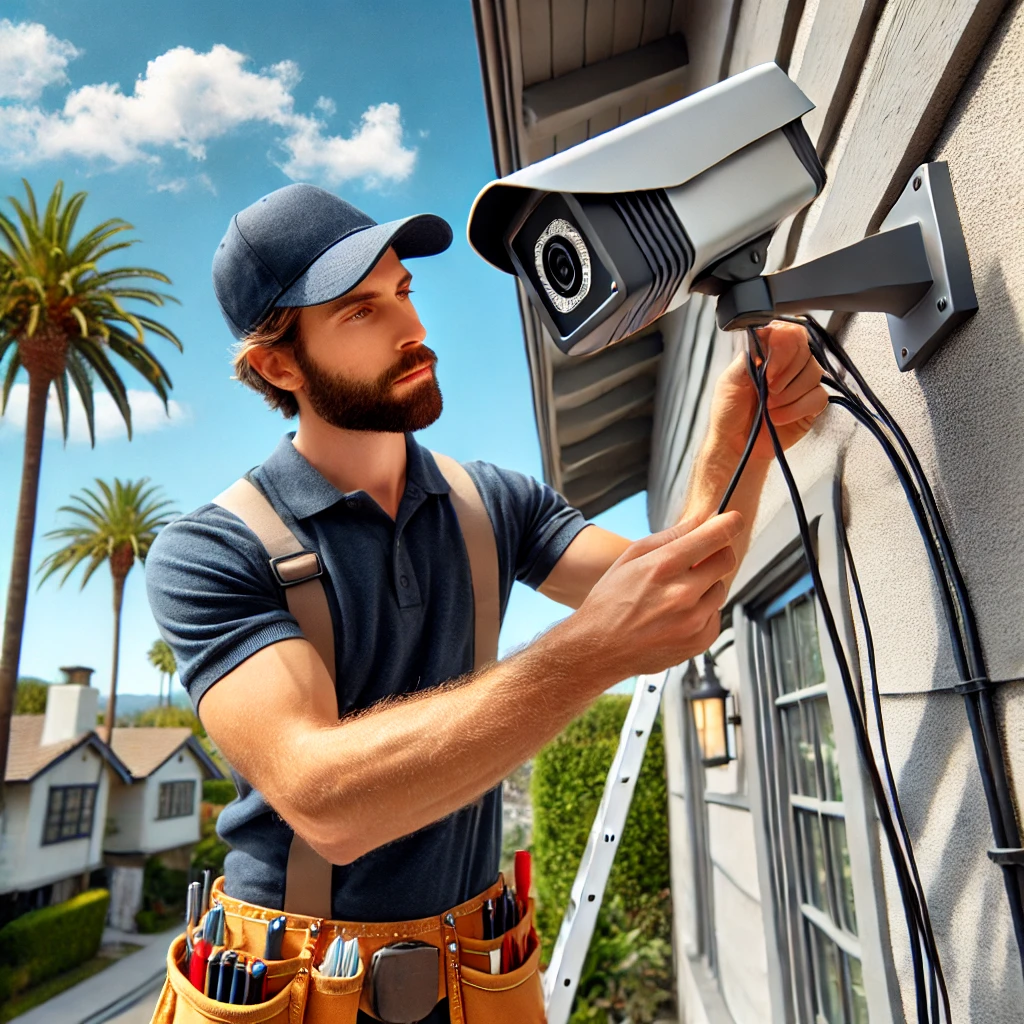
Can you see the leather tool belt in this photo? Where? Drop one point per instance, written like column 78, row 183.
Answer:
column 296, row 992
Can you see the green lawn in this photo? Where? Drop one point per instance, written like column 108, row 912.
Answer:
column 33, row 997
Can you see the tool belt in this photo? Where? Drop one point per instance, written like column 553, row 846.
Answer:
column 296, row 992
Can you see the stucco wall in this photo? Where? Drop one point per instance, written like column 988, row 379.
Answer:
column 964, row 413
column 171, row 832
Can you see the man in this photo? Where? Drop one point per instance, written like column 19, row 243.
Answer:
column 401, row 793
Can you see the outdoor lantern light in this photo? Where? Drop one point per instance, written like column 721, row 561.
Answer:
column 709, row 716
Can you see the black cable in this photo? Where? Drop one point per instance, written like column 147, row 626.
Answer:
column 967, row 646
column 755, row 429
column 937, row 978
column 907, row 892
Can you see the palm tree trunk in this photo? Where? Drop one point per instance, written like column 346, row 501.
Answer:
column 108, row 722
column 21, row 563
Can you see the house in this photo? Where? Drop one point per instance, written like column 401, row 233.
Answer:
column 155, row 812
column 786, row 903
column 81, row 812
column 57, row 786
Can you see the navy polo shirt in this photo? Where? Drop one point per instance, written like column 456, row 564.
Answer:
column 400, row 594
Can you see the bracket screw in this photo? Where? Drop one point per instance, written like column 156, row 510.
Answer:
column 917, row 183
column 941, row 304
column 904, row 353
column 755, row 257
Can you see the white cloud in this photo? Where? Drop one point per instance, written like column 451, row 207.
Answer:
column 148, row 415
column 187, row 99
column 31, row 59
column 326, row 106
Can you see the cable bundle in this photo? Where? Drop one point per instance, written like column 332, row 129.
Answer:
column 929, row 982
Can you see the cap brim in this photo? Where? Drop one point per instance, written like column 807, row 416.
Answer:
column 341, row 267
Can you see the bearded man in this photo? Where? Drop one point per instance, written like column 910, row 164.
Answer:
column 387, row 764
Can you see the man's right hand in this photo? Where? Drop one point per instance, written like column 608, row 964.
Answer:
column 659, row 603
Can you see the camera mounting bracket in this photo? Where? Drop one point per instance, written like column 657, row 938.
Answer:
column 915, row 270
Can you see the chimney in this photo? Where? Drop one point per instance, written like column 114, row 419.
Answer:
column 71, row 708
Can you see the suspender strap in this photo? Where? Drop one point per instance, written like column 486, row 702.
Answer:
column 478, row 534
column 308, row 883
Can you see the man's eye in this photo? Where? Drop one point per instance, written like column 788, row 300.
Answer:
column 360, row 314
column 405, row 293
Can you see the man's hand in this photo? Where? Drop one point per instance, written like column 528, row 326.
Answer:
column 659, row 602
column 795, row 394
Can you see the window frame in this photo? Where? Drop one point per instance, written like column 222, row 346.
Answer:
column 64, row 790
column 774, row 563
column 170, row 788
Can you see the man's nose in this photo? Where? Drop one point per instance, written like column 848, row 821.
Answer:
column 413, row 331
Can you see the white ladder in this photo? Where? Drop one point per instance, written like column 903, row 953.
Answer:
column 570, row 952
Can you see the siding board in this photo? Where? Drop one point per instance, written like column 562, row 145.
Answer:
column 598, row 30
column 535, row 40
column 657, row 15
column 629, row 24
column 567, row 35
column 926, row 50
column 708, row 29
column 765, row 31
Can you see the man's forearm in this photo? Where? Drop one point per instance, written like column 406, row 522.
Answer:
column 712, row 470
column 396, row 768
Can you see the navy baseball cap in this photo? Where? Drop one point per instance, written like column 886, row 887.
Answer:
column 303, row 245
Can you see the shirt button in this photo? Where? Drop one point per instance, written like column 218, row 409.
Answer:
column 404, row 580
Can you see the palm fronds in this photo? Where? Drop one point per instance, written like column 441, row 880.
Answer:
column 55, row 285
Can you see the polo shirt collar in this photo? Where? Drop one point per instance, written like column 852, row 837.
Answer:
column 307, row 492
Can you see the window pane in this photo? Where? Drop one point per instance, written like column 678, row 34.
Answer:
column 827, row 744
column 165, row 799
column 85, row 817
column 785, row 655
column 812, row 853
column 842, row 873
column 858, row 998
column 72, row 805
column 805, row 624
column 801, row 751
column 830, row 1002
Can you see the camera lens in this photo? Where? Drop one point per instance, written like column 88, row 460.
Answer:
column 562, row 266
column 562, row 261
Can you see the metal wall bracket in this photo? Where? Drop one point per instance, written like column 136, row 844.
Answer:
column 928, row 200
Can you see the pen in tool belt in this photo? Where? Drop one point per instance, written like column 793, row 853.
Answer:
column 204, row 900
column 227, row 976
column 275, row 938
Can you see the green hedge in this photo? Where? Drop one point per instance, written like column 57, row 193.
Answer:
column 49, row 941
column 627, row 974
column 219, row 791
column 568, row 779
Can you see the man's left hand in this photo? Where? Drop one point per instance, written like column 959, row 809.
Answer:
column 795, row 394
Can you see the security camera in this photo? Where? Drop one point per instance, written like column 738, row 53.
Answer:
column 611, row 234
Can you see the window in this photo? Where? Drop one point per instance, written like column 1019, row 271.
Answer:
column 177, row 799
column 825, row 954
column 69, row 812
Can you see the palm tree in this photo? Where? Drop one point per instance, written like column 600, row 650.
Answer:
column 161, row 657
column 116, row 526
column 61, row 318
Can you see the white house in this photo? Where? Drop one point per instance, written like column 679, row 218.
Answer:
column 77, row 806
column 57, row 780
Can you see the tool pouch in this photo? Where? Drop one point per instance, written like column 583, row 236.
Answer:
column 296, row 993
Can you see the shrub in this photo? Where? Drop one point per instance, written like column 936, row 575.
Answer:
column 210, row 851
column 219, row 791
column 51, row 940
column 163, row 896
column 629, row 962
column 30, row 697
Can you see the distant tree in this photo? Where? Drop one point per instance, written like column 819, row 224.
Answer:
column 161, row 657
column 117, row 526
column 30, row 697
column 170, row 718
column 63, row 319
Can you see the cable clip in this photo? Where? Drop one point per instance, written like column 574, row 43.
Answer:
column 973, row 685
column 1007, row 856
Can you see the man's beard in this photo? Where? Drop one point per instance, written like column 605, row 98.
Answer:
column 361, row 405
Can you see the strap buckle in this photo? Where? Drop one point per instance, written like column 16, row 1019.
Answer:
column 297, row 567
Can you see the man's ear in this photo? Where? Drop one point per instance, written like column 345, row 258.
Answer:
column 277, row 365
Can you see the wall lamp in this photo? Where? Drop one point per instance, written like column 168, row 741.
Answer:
column 708, row 704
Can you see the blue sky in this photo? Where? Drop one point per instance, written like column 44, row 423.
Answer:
column 175, row 116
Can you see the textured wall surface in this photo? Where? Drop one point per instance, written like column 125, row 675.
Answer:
column 964, row 413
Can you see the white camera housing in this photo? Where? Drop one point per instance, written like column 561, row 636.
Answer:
column 609, row 235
